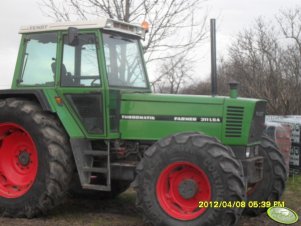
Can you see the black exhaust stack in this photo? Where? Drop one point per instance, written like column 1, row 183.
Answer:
column 213, row 58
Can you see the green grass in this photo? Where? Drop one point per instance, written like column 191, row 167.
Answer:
column 292, row 195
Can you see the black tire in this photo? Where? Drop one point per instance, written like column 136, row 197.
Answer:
column 224, row 172
column 272, row 186
column 117, row 187
column 54, row 158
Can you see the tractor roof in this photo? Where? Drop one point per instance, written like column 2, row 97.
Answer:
column 102, row 22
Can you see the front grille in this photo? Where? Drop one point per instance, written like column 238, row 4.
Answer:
column 234, row 121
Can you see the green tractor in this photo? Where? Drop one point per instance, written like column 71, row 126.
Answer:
column 80, row 116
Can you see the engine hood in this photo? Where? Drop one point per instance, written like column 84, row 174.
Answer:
column 147, row 116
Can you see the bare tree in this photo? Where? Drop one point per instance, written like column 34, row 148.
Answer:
column 289, row 21
column 266, row 60
column 198, row 88
column 256, row 61
column 175, row 74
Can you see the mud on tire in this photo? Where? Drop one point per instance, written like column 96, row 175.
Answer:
column 205, row 154
column 53, row 154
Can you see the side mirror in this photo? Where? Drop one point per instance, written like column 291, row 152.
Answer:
column 72, row 36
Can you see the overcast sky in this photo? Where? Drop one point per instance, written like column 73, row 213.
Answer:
column 232, row 15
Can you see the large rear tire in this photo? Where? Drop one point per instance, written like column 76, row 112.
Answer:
column 179, row 171
column 36, row 162
column 272, row 186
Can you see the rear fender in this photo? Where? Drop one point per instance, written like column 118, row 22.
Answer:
column 34, row 95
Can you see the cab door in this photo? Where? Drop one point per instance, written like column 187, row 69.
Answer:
column 80, row 84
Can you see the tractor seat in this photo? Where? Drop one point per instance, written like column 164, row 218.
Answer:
column 66, row 77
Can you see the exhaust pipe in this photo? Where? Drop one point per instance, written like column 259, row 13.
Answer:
column 213, row 58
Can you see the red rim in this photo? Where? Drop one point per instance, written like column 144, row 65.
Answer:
column 179, row 177
column 18, row 161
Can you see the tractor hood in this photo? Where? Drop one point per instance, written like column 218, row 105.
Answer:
column 148, row 116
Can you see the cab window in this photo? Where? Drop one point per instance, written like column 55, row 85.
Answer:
column 80, row 63
column 124, row 61
column 38, row 59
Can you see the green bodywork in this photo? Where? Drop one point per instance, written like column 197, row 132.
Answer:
column 191, row 107
column 139, row 114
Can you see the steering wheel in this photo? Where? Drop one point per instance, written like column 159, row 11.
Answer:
column 93, row 81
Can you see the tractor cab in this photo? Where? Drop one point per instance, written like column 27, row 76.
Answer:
column 85, row 66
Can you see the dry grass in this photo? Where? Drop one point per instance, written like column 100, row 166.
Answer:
column 122, row 211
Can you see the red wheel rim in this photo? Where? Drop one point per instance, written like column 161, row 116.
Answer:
column 18, row 161
column 179, row 205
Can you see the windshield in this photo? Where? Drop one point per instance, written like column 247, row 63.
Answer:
column 124, row 61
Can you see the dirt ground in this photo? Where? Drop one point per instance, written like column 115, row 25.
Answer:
column 122, row 211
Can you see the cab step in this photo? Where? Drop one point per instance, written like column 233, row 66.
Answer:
column 95, row 170
column 95, row 153
column 85, row 163
column 96, row 187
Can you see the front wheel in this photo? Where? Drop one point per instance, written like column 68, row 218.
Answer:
column 272, row 186
column 181, row 175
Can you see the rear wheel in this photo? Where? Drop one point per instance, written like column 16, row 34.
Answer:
column 271, row 187
column 178, row 172
column 35, row 160
column 18, row 161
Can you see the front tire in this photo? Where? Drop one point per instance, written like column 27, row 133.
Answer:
column 179, row 171
column 36, row 162
column 272, row 186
